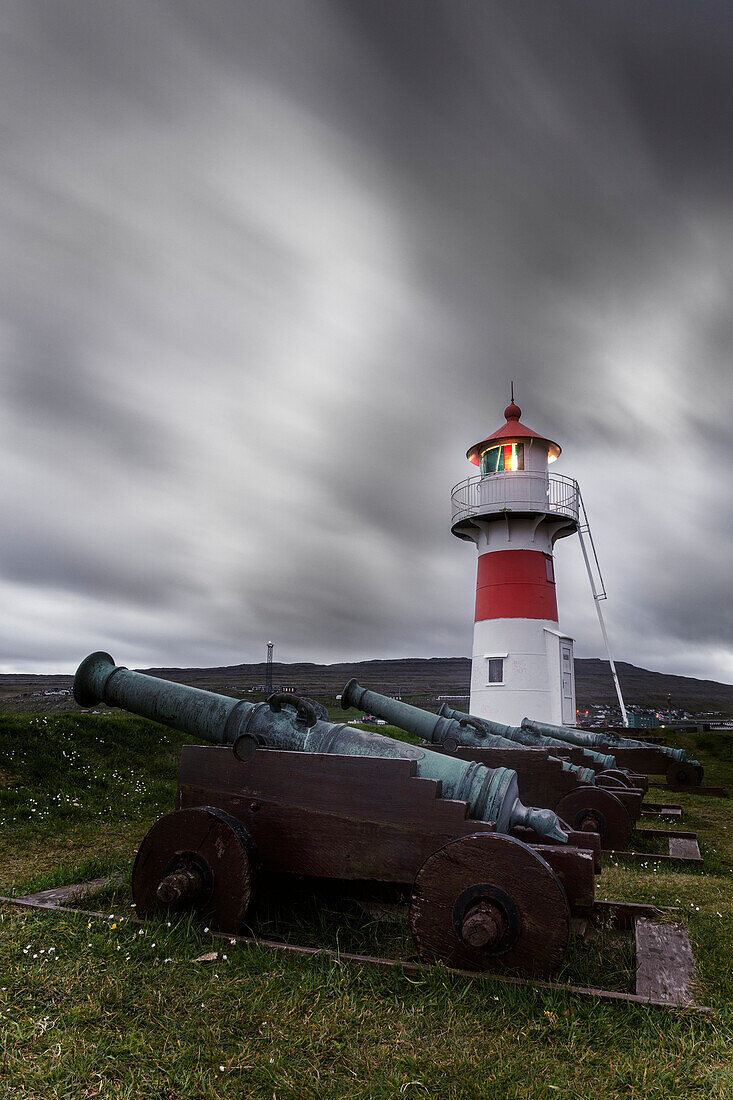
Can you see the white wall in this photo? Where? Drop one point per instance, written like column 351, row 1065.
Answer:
column 532, row 686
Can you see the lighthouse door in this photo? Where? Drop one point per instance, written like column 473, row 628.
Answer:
column 568, row 692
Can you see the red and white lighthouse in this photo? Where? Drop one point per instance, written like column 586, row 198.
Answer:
column 514, row 511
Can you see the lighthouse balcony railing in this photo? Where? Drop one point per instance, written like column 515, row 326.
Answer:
column 518, row 491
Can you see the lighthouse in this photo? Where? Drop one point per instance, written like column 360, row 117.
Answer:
column 514, row 510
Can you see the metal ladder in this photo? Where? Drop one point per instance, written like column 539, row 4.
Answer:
column 598, row 589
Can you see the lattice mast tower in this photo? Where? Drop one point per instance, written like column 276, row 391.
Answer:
column 268, row 673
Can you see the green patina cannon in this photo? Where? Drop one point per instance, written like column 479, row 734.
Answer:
column 602, row 767
column 491, row 794
column 281, row 793
column 681, row 771
column 606, row 804
column 588, row 739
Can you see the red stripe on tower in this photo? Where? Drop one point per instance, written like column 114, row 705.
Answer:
column 515, row 584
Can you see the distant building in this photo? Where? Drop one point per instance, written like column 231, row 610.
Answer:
column 643, row 721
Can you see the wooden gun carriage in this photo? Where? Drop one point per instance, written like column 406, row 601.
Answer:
column 478, row 899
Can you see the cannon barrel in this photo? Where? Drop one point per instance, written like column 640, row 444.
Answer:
column 532, row 739
column 586, row 739
column 569, row 734
column 423, row 723
column 481, row 733
column 285, row 722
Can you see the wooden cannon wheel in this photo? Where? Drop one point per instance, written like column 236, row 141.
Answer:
column 201, row 859
column 597, row 810
column 683, row 773
column 613, row 777
column 489, row 901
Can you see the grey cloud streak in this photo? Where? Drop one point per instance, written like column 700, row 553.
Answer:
column 267, row 271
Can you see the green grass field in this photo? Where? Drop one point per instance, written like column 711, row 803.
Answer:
column 107, row 1008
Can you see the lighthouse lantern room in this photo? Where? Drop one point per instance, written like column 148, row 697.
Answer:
column 514, row 511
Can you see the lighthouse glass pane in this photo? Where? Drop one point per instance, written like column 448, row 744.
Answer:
column 490, row 460
column 505, row 457
column 496, row 670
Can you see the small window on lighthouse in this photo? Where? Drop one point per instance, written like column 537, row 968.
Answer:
column 496, row 670
column 507, row 457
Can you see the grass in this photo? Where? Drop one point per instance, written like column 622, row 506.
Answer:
column 102, row 1009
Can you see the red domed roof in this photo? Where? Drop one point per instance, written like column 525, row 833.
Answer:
column 514, row 430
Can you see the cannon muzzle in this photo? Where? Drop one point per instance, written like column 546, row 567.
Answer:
column 91, row 676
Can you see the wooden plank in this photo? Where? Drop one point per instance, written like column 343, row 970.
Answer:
column 631, row 798
column 448, row 811
column 542, row 781
column 655, row 857
column 679, row 848
column 337, row 816
column 576, row 870
column 665, row 967
column 78, row 890
column 648, row 761
column 623, row 914
column 590, row 842
column 684, row 835
column 711, row 792
column 639, row 780
column 660, row 809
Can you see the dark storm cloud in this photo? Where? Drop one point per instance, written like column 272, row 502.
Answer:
column 267, row 272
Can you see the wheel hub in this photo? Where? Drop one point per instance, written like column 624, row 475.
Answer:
column 484, row 925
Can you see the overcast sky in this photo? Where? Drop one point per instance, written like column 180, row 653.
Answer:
column 267, row 271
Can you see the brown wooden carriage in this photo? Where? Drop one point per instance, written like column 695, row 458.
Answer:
column 478, row 899
column 650, row 760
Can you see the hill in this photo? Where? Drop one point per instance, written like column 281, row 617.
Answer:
column 421, row 679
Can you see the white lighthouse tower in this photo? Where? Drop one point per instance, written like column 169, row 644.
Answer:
column 514, row 511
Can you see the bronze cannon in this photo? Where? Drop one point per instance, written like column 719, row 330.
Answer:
column 354, row 806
